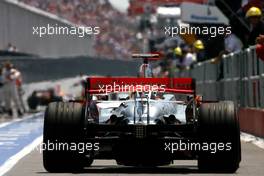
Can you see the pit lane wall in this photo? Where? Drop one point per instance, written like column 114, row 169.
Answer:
column 252, row 121
column 17, row 21
column 35, row 69
column 238, row 77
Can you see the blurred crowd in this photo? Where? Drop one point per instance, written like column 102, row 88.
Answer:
column 117, row 37
column 121, row 35
column 179, row 55
column 11, row 90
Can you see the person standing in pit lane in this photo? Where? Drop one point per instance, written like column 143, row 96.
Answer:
column 1, row 91
column 10, row 76
column 19, row 83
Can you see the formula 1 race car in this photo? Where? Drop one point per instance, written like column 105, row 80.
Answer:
column 157, row 121
column 42, row 98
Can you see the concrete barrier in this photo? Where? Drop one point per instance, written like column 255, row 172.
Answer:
column 41, row 69
column 252, row 121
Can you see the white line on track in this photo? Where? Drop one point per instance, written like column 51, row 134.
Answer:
column 248, row 138
column 17, row 120
column 27, row 149
column 15, row 158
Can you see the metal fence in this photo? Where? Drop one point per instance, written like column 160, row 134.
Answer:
column 238, row 77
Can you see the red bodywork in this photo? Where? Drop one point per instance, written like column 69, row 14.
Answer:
column 97, row 85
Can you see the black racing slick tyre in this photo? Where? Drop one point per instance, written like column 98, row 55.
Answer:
column 63, row 127
column 219, row 132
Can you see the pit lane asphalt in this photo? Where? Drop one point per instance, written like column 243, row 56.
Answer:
column 252, row 164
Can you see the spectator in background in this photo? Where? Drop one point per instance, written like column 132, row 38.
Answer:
column 256, row 24
column 188, row 58
column 232, row 43
column 15, row 49
column 10, row 48
column 198, row 49
column 177, row 53
column 260, row 47
column 158, row 70
column 178, row 58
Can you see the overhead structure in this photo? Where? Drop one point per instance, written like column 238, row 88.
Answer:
column 201, row 14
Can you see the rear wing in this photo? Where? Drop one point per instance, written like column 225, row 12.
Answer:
column 105, row 85
column 147, row 56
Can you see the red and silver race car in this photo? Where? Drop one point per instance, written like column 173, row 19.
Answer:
column 156, row 121
column 43, row 98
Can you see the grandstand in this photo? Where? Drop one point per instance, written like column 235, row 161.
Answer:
column 117, row 38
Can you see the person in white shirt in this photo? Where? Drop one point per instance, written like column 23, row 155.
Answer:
column 145, row 70
column 1, row 91
column 10, row 77
column 188, row 58
column 233, row 43
column 19, row 84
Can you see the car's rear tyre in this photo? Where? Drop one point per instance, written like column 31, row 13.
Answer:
column 64, row 125
column 218, row 124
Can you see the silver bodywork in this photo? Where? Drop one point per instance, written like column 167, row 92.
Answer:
column 139, row 109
